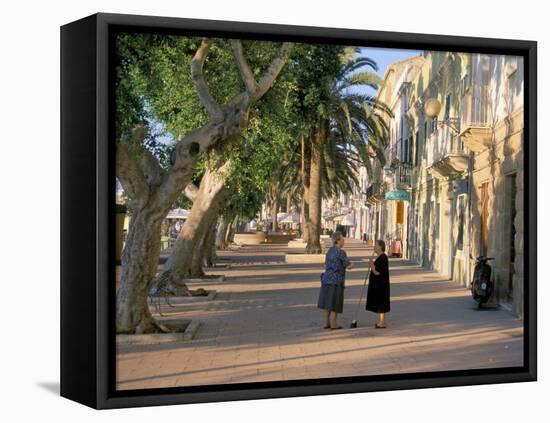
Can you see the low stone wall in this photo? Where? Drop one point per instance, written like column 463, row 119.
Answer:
column 297, row 243
column 278, row 238
column 249, row 238
column 304, row 258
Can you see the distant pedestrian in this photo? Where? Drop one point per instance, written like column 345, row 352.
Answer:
column 364, row 238
column 331, row 296
column 378, row 294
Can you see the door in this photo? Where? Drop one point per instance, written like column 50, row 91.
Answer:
column 511, row 183
column 484, row 218
column 447, row 257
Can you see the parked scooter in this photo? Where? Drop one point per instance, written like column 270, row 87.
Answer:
column 482, row 286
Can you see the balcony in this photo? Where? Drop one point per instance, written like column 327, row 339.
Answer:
column 402, row 176
column 474, row 118
column 375, row 192
column 445, row 154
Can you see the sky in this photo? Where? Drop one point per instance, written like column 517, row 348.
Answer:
column 384, row 57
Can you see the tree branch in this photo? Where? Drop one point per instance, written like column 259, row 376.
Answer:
column 244, row 69
column 151, row 168
column 273, row 71
column 205, row 97
column 129, row 172
column 191, row 191
column 137, row 169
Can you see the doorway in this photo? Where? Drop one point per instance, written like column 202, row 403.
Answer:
column 484, row 218
column 511, row 190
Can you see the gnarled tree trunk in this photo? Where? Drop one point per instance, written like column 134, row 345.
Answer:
column 209, row 246
column 152, row 190
column 221, row 233
column 230, row 236
column 203, row 254
column 139, row 263
column 184, row 261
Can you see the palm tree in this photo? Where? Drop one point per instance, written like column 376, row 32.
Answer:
column 353, row 132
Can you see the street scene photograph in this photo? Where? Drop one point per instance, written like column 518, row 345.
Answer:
column 291, row 211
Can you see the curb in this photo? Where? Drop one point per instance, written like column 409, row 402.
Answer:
column 211, row 295
column 191, row 330
column 162, row 338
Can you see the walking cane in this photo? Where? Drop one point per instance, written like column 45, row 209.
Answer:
column 354, row 321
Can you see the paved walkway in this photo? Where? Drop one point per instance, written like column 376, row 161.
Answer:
column 264, row 326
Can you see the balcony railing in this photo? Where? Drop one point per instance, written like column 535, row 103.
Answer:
column 475, row 123
column 445, row 153
column 402, row 176
column 442, row 143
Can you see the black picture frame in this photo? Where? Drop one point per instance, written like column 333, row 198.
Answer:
column 87, row 212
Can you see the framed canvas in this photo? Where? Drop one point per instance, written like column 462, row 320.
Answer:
column 258, row 211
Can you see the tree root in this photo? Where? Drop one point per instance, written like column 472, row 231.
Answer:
column 151, row 326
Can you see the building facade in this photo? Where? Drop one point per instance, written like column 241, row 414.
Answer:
column 452, row 187
column 388, row 194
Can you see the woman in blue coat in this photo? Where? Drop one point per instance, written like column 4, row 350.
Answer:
column 331, row 296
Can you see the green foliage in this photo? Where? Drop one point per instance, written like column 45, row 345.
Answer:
column 314, row 68
column 357, row 131
column 154, row 85
column 257, row 158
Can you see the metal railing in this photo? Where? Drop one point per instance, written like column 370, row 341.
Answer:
column 402, row 175
column 441, row 143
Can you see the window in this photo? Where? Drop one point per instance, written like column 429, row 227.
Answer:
column 512, row 211
column 484, row 218
column 417, row 149
column 416, row 228
column 464, row 84
column 448, row 100
column 425, row 150
column 460, row 235
column 405, row 158
column 434, row 124
column 437, row 215
column 510, row 67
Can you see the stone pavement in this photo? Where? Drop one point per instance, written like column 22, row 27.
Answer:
column 264, row 325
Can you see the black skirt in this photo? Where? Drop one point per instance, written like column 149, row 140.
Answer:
column 378, row 294
column 331, row 297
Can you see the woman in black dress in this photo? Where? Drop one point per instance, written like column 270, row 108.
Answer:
column 378, row 294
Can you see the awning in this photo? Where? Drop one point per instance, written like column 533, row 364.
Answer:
column 178, row 214
column 289, row 218
column 281, row 217
column 397, row 195
column 346, row 219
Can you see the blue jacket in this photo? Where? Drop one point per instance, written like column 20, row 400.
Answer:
column 336, row 262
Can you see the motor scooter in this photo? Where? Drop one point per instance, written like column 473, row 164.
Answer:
column 482, row 287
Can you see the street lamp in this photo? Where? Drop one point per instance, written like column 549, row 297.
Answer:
column 432, row 107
